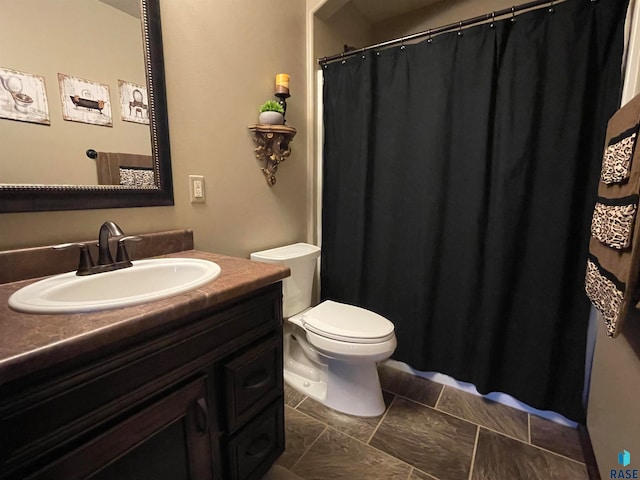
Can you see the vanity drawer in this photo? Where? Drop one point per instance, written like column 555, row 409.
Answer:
column 252, row 381
column 258, row 444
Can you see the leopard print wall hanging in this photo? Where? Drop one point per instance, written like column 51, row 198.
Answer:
column 616, row 162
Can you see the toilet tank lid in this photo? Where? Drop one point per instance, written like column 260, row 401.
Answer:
column 296, row 250
column 347, row 321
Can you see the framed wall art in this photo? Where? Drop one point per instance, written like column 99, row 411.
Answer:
column 85, row 101
column 134, row 103
column 23, row 97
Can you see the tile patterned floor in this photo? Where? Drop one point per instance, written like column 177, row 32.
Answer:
column 428, row 432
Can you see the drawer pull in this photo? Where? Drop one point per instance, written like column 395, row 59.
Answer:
column 257, row 380
column 202, row 415
column 259, row 446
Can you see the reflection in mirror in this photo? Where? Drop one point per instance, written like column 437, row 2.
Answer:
column 82, row 106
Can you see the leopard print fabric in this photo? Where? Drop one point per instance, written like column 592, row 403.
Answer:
column 604, row 295
column 616, row 164
column 613, row 224
column 136, row 177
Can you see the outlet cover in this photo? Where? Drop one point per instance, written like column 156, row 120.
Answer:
column 196, row 189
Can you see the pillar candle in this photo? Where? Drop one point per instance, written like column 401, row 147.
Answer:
column 282, row 83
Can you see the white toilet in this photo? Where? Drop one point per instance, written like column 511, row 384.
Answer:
column 331, row 350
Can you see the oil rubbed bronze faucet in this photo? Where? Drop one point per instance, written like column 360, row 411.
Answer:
column 109, row 229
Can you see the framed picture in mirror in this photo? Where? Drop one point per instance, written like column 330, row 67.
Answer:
column 134, row 104
column 23, row 97
column 85, row 101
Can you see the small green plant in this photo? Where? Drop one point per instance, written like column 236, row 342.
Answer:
column 271, row 106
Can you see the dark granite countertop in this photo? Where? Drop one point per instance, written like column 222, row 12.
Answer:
column 30, row 342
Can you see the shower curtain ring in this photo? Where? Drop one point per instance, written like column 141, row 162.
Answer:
column 493, row 20
column 402, row 47
column 362, row 52
column 513, row 14
column 551, row 10
column 343, row 60
column 430, row 38
column 460, row 29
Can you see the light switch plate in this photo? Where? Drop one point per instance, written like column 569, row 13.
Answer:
column 196, row 188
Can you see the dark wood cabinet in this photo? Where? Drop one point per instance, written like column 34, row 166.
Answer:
column 200, row 400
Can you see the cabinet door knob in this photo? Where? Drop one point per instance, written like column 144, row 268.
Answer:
column 202, row 415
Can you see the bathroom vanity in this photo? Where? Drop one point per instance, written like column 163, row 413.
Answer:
column 188, row 387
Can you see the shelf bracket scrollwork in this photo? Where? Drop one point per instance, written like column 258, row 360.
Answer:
column 272, row 147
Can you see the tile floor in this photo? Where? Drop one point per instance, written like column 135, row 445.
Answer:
column 428, row 431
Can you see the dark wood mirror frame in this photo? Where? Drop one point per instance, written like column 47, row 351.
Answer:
column 35, row 198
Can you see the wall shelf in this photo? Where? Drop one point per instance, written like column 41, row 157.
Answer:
column 272, row 146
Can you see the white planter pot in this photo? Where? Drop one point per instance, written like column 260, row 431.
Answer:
column 271, row 118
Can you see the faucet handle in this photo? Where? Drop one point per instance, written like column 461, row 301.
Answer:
column 85, row 263
column 122, row 255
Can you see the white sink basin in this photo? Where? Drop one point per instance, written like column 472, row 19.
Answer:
column 146, row 281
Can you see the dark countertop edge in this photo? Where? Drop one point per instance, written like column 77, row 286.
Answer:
column 238, row 277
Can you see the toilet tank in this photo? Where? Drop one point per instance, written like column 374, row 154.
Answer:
column 301, row 260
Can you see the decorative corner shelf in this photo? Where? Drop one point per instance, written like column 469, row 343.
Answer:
column 272, row 146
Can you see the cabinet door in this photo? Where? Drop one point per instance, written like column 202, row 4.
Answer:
column 167, row 440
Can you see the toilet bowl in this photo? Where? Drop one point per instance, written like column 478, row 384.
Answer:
column 330, row 350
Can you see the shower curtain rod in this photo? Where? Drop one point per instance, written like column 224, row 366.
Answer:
column 445, row 28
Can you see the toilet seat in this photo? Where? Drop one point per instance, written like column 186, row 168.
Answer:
column 347, row 323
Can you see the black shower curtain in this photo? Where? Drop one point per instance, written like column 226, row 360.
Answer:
column 459, row 179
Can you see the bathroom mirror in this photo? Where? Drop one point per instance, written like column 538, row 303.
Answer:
column 31, row 193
